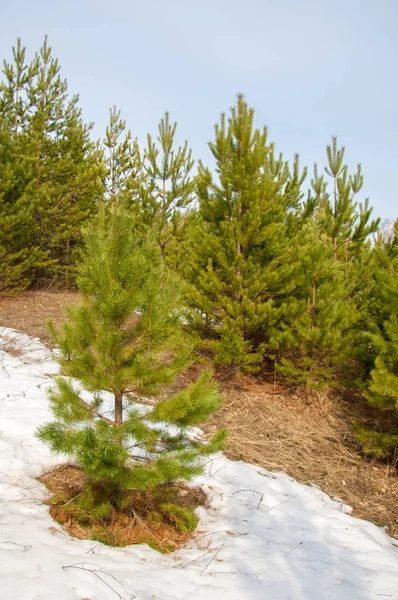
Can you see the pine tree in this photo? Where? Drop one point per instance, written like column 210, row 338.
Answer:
column 123, row 162
column 245, row 222
column 313, row 339
column 346, row 222
column 18, row 257
column 58, row 174
column 381, row 339
column 66, row 168
column 126, row 337
column 167, row 187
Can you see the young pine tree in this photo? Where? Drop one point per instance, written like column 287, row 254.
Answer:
column 313, row 338
column 166, row 189
column 126, row 337
column 57, row 171
column 382, row 346
column 247, row 214
column 123, row 161
column 346, row 222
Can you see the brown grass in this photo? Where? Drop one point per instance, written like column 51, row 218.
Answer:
column 134, row 525
column 311, row 439
column 11, row 346
column 30, row 311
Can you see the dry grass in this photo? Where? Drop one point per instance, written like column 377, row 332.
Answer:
column 30, row 311
column 11, row 346
column 137, row 524
column 311, row 439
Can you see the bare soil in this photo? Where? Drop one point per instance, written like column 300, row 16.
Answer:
column 29, row 311
column 311, row 438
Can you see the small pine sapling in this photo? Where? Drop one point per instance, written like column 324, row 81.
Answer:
column 124, row 339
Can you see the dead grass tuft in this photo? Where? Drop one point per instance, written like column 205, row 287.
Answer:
column 12, row 347
column 143, row 521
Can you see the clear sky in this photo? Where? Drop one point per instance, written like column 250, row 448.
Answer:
column 311, row 69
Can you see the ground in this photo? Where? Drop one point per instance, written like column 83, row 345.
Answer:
column 261, row 535
column 309, row 438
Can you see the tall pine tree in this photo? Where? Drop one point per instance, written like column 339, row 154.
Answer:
column 247, row 213
column 58, row 176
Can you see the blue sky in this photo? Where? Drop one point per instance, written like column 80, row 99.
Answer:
column 311, row 69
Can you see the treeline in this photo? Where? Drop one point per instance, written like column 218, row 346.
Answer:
column 280, row 270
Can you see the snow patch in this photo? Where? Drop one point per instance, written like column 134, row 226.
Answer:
column 264, row 535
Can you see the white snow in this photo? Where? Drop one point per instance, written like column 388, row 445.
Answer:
column 265, row 536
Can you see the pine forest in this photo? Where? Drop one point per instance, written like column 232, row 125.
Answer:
column 246, row 267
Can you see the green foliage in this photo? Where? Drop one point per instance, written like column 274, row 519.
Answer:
column 383, row 387
column 190, row 406
column 126, row 337
column 181, row 517
column 381, row 445
column 51, row 176
column 18, row 253
column 246, row 217
column 314, row 336
column 165, row 187
column 381, row 340
column 123, row 161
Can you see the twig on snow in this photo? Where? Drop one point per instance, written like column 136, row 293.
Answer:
column 254, row 492
column 93, row 548
column 95, row 571
column 287, row 500
column 25, row 547
column 229, row 531
column 212, row 558
column 290, row 551
column 199, row 557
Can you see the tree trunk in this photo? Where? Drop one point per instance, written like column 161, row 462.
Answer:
column 334, row 217
column 163, row 232
column 118, row 408
column 118, row 415
column 239, row 252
